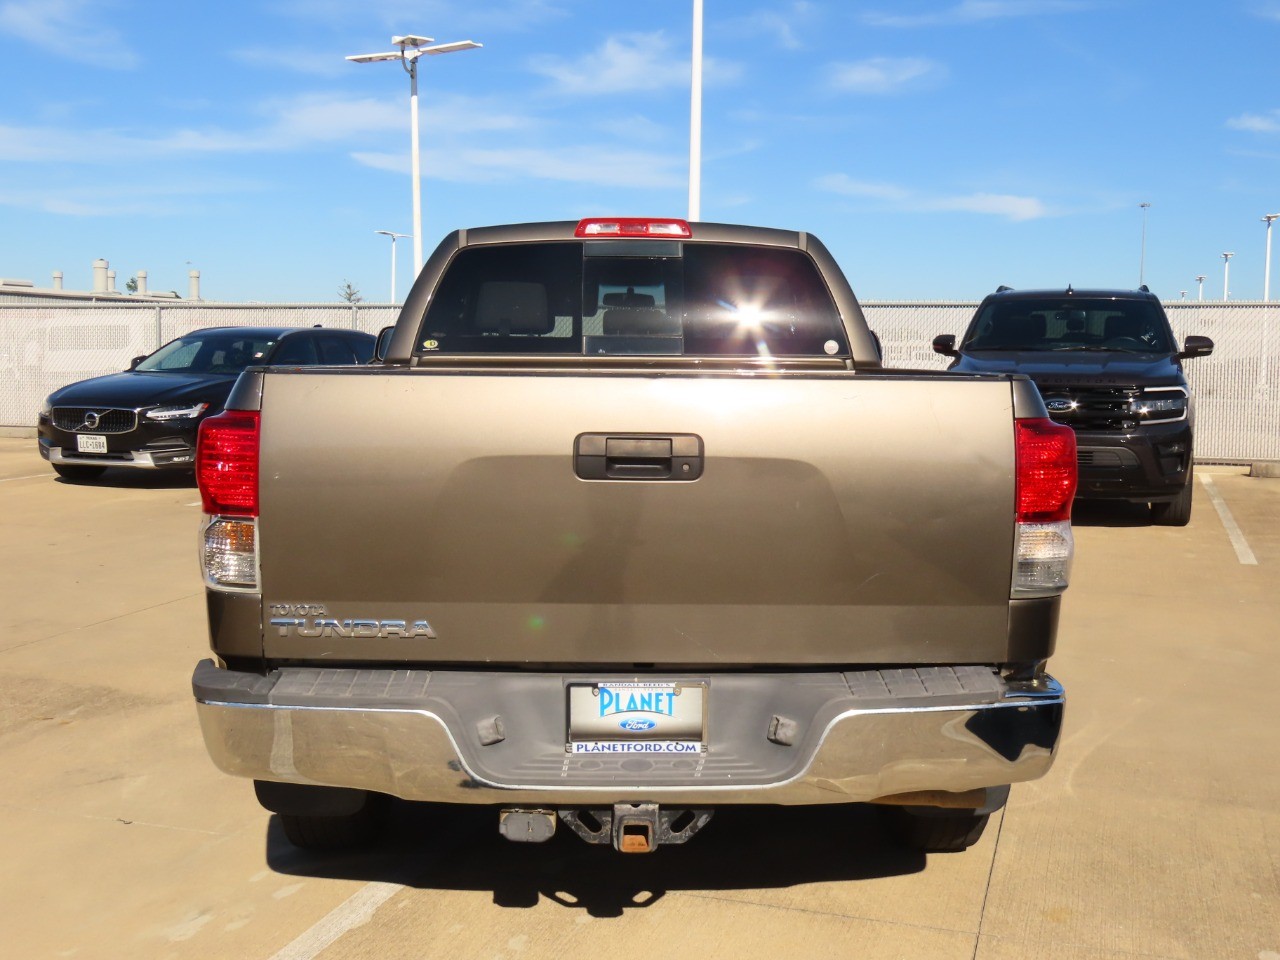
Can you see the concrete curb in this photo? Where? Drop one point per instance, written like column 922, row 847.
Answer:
column 1265, row 468
column 21, row 433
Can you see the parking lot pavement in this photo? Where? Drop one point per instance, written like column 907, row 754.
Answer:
column 1156, row 835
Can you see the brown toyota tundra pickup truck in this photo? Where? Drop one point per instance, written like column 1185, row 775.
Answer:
column 626, row 524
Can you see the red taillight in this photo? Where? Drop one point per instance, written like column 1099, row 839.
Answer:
column 633, row 227
column 1046, row 457
column 227, row 463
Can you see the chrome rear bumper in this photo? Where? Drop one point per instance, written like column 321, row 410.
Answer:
column 450, row 736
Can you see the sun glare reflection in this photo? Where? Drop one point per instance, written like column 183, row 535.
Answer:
column 750, row 316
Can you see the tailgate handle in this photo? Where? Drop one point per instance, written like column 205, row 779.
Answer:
column 637, row 456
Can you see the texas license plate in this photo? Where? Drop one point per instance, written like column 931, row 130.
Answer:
column 637, row 717
column 88, row 443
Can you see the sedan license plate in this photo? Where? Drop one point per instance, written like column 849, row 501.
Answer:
column 88, row 443
column 637, row 717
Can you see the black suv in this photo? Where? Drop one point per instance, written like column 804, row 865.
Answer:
column 1107, row 365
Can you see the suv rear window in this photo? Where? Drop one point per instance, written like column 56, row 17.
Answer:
column 633, row 298
column 1074, row 323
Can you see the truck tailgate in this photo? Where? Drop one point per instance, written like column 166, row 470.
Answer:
column 838, row 519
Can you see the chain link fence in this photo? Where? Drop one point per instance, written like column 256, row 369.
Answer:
column 43, row 347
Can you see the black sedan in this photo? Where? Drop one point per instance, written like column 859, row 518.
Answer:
column 147, row 416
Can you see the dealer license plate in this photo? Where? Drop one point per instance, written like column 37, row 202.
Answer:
column 88, row 443
column 637, row 717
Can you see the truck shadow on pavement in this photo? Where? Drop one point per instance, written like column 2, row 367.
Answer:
column 450, row 848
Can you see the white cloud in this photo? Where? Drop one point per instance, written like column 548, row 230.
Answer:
column 124, row 199
column 635, row 129
column 976, row 11
column 295, row 60
column 845, row 185
column 880, row 75
column 777, row 25
column 293, row 124
column 629, row 63
column 1256, row 123
column 67, row 28
column 595, row 165
column 996, row 204
column 901, row 198
column 624, row 64
column 400, row 16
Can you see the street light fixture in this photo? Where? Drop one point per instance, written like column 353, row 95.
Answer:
column 1142, row 261
column 1226, row 273
column 1200, row 278
column 1266, row 270
column 394, row 237
column 410, row 49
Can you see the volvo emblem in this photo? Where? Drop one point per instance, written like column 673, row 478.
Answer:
column 91, row 421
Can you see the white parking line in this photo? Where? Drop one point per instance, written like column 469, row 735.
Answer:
column 351, row 913
column 1243, row 553
column 34, row 476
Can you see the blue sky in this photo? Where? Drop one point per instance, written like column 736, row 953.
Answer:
column 938, row 147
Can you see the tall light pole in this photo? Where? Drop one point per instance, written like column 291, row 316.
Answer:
column 1200, row 278
column 1266, row 270
column 1226, row 274
column 1142, row 260
column 394, row 237
column 695, row 118
column 410, row 49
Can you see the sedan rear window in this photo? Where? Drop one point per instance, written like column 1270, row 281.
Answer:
column 640, row 298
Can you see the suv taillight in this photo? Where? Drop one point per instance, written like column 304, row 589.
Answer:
column 227, row 463
column 1045, row 486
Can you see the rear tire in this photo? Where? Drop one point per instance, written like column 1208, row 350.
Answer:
column 1177, row 512
column 929, row 830
column 77, row 473
column 314, row 832
column 323, row 818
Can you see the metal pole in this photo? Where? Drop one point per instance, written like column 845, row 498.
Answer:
column 393, row 268
column 1226, row 275
column 1266, row 270
column 1142, row 261
column 695, row 118
column 1200, row 286
column 417, row 167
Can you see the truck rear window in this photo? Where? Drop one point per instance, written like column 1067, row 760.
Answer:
column 643, row 298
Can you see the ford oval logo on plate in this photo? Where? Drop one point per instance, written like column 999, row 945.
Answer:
column 1059, row 405
column 636, row 725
